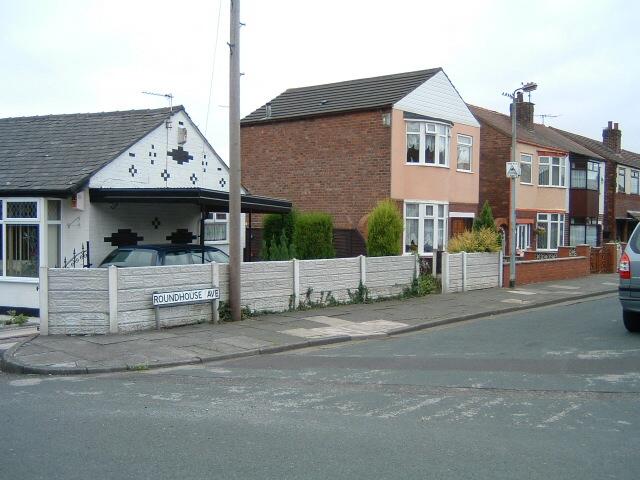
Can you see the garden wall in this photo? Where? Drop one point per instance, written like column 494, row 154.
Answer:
column 470, row 271
column 100, row 301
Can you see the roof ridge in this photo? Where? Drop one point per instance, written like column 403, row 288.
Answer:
column 376, row 77
column 175, row 108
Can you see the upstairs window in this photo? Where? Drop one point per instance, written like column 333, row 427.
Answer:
column 465, row 152
column 622, row 175
column 525, row 168
column 585, row 175
column 428, row 143
column 635, row 182
column 552, row 171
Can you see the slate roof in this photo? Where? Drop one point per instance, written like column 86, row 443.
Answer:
column 57, row 154
column 352, row 95
column 625, row 157
column 541, row 135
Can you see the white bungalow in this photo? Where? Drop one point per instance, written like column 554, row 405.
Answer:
column 74, row 187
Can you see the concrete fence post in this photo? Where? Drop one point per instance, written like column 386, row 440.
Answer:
column 464, row 271
column 215, row 282
column 113, row 299
column 44, row 300
column 363, row 269
column 501, row 269
column 445, row 272
column 296, row 282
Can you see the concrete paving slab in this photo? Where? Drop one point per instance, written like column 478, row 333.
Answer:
column 243, row 341
column 49, row 358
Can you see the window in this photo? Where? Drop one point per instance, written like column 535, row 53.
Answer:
column 425, row 227
column 635, row 182
column 19, row 238
column 593, row 175
column 550, row 231
column 428, row 143
column 622, row 173
column 552, row 171
column 523, row 235
column 465, row 152
column 585, row 175
column 525, row 168
column 54, row 226
column 215, row 227
column 583, row 233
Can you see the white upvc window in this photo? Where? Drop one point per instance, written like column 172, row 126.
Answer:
column 550, row 228
column 428, row 143
column 622, row 175
column 525, row 168
column 523, row 236
column 635, row 182
column 465, row 152
column 216, row 227
column 19, row 237
column 553, row 171
column 425, row 227
column 54, row 233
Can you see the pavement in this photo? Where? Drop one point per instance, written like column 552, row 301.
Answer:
column 194, row 344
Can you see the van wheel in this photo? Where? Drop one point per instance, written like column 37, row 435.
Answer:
column 631, row 321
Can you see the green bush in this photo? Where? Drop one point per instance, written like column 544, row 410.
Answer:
column 384, row 230
column 273, row 226
column 485, row 219
column 482, row 240
column 313, row 236
column 422, row 285
column 281, row 250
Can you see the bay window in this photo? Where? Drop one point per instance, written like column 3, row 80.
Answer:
column 585, row 175
column 425, row 227
column 635, row 182
column 550, row 227
column 523, row 235
column 552, row 171
column 428, row 143
column 583, row 233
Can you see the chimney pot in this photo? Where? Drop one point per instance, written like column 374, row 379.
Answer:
column 610, row 124
column 615, row 126
column 612, row 137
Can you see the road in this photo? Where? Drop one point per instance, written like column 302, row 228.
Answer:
column 551, row 393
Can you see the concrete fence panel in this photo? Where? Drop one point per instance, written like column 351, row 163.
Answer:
column 267, row 286
column 470, row 271
column 335, row 277
column 388, row 276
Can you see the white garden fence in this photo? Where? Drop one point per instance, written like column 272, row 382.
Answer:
column 470, row 271
column 100, row 301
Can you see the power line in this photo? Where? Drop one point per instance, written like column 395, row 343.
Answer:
column 213, row 66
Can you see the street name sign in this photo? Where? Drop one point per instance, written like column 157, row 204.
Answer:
column 513, row 169
column 187, row 296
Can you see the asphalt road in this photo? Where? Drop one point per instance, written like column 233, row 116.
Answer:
column 552, row 393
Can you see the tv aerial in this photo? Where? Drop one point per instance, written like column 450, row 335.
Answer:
column 546, row 115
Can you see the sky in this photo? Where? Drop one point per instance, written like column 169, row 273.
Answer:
column 70, row 56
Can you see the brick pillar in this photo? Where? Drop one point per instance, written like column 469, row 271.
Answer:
column 529, row 255
column 564, row 252
column 611, row 252
column 583, row 251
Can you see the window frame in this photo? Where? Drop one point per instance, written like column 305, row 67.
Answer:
column 430, row 128
column 469, row 146
column 561, row 168
column 546, row 224
column 635, row 174
column 622, row 172
column 523, row 236
column 5, row 222
column 440, row 225
column 530, row 163
column 217, row 221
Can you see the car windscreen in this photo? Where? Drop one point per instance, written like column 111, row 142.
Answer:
column 216, row 256
column 131, row 258
column 177, row 257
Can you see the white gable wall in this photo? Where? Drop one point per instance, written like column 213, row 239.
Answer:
column 438, row 98
column 145, row 163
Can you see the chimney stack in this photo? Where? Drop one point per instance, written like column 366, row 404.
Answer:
column 524, row 112
column 612, row 137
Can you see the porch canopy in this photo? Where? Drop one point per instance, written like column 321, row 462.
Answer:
column 208, row 200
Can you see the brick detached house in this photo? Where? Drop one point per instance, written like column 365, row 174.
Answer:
column 622, row 189
column 342, row 147
column 559, row 195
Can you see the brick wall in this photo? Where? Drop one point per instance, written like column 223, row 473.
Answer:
column 533, row 271
column 609, row 220
column 495, row 151
column 338, row 164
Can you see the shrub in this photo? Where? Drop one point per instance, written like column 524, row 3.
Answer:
column 485, row 219
column 421, row 286
column 313, row 236
column 384, row 230
column 482, row 240
column 273, row 226
column 281, row 250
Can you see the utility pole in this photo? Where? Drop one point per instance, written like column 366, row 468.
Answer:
column 235, row 170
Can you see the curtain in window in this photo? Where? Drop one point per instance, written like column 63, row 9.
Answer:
column 411, row 236
column 215, row 232
column 428, row 235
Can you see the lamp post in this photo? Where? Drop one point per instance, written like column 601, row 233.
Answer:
column 527, row 87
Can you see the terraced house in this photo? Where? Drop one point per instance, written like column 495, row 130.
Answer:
column 622, row 189
column 560, row 193
column 341, row 147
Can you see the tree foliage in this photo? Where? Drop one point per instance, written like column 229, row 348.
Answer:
column 384, row 230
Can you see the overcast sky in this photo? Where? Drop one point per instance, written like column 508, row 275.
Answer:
column 87, row 56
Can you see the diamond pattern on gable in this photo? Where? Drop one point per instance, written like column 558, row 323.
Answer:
column 193, row 178
column 165, row 175
column 182, row 235
column 180, row 155
column 222, row 182
column 133, row 170
column 124, row 237
column 155, row 223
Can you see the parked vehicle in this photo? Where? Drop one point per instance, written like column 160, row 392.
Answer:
column 154, row 255
column 629, row 290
